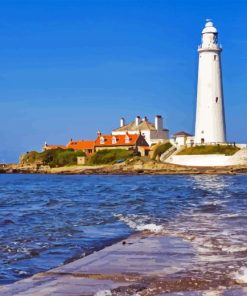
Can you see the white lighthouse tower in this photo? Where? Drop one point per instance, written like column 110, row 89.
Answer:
column 210, row 115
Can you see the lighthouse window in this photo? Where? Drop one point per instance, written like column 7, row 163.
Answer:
column 215, row 56
column 216, row 100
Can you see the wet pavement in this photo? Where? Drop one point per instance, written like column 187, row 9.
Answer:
column 144, row 264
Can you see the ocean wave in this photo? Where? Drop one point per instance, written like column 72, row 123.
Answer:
column 234, row 249
column 6, row 222
column 103, row 293
column 240, row 276
column 52, row 202
column 140, row 223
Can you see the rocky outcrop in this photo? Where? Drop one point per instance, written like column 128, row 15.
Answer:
column 139, row 167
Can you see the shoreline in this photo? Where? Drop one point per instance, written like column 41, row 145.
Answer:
column 141, row 168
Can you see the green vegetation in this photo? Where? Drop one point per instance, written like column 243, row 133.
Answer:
column 54, row 157
column 160, row 149
column 109, row 156
column 209, row 149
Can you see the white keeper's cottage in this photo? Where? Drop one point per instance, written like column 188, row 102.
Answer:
column 153, row 132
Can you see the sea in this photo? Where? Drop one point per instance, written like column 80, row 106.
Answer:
column 49, row 220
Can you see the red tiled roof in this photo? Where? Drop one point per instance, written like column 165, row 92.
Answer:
column 81, row 145
column 120, row 140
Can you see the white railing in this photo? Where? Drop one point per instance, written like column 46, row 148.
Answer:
column 168, row 153
column 213, row 144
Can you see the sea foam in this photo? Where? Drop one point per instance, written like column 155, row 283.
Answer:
column 241, row 275
column 103, row 293
column 140, row 223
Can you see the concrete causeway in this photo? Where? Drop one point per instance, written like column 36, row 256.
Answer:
column 141, row 265
column 119, row 266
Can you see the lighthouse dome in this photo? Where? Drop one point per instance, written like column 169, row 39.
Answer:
column 209, row 28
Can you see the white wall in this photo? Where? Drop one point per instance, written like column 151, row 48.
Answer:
column 239, row 158
column 180, row 140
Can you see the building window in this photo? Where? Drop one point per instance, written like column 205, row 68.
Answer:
column 202, row 140
column 216, row 100
column 102, row 140
column 127, row 139
column 114, row 140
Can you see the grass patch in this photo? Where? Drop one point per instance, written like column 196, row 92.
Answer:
column 54, row 157
column 209, row 149
column 109, row 156
column 162, row 148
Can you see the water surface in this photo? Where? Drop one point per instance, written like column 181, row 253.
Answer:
column 48, row 220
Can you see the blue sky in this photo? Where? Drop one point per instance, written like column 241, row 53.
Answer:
column 69, row 68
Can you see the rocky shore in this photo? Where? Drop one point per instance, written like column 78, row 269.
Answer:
column 137, row 168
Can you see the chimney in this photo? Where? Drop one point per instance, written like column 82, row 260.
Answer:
column 138, row 120
column 98, row 133
column 158, row 122
column 122, row 122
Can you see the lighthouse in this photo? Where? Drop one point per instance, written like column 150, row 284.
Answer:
column 210, row 115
